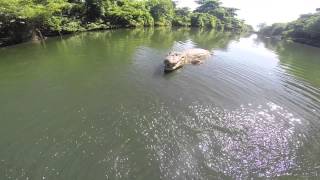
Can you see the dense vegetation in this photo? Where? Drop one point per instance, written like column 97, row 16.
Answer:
column 305, row 29
column 21, row 20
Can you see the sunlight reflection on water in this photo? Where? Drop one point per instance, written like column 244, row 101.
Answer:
column 259, row 141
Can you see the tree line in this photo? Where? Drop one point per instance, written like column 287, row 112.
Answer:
column 306, row 29
column 21, row 20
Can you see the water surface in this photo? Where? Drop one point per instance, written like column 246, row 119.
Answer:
column 98, row 106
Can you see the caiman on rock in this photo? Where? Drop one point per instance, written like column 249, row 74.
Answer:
column 176, row 60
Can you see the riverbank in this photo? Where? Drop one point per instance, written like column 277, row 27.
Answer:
column 24, row 35
column 309, row 42
column 37, row 36
column 304, row 30
column 21, row 21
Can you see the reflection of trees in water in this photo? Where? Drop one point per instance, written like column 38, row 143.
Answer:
column 118, row 44
column 299, row 60
column 203, row 38
column 158, row 38
column 211, row 39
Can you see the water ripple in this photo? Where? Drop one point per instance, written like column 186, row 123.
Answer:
column 252, row 141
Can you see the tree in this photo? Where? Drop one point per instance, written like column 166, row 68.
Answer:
column 232, row 12
column 262, row 25
column 162, row 11
column 304, row 30
column 185, row 11
column 203, row 20
column 94, row 9
column 226, row 17
column 207, row 6
column 129, row 14
column 22, row 19
column 182, row 17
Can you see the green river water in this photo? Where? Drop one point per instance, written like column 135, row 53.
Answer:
column 98, row 105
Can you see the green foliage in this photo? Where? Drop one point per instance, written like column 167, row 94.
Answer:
column 182, row 17
column 72, row 26
column 305, row 29
column 203, row 20
column 162, row 11
column 30, row 11
column 99, row 25
column 94, row 9
column 129, row 13
column 274, row 30
column 20, row 19
column 226, row 17
column 247, row 28
column 208, row 6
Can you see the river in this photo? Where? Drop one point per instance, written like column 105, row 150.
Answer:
column 98, row 105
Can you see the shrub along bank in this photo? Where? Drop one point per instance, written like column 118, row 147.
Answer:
column 22, row 20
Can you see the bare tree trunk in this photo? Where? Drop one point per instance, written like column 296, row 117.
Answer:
column 40, row 34
column 60, row 34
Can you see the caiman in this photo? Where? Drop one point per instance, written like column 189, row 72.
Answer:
column 176, row 60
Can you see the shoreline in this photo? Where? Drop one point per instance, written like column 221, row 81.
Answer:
column 299, row 41
column 39, row 37
column 44, row 36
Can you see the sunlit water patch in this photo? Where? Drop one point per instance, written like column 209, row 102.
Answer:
column 209, row 142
